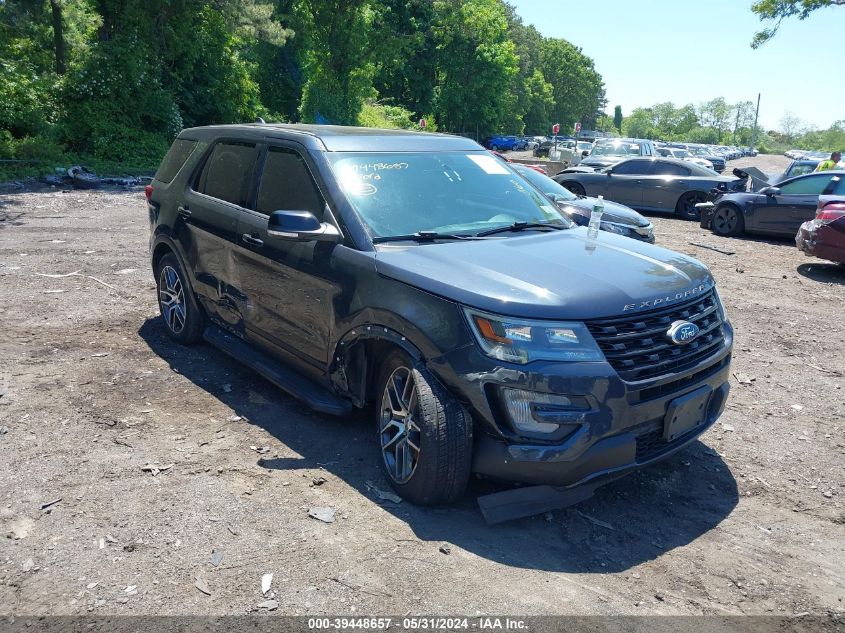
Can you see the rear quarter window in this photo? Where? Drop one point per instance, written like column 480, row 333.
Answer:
column 176, row 156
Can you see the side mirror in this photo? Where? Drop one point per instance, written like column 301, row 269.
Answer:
column 770, row 191
column 301, row 226
column 585, row 153
column 609, row 171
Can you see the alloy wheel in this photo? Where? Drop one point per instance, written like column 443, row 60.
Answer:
column 399, row 434
column 725, row 220
column 171, row 298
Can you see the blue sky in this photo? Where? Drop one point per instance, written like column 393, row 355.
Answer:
column 689, row 51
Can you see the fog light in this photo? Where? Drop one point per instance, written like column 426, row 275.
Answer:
column 522, row 407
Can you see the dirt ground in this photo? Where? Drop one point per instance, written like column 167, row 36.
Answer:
column 750, row 520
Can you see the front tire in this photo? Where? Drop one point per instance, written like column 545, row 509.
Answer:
column 182, row 316
column 424, row 434
column 727, row 221
column 686, row 205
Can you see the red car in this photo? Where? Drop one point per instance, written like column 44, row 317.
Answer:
column 824, row 236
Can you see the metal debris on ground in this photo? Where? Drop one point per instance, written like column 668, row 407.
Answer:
column 155, row 469
column 322, row 513
column 743, row 379
column 266, row 583
column 202, row 585
column 216, row 557
column 384, row 495
column 595, row 521
column 4, row 430
column 261, row 450
column 50, row 504
column 319, row 481
column 270, row 605
column 445, row 548
column 713, row 248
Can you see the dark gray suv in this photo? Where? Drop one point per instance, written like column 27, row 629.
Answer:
column 417, row 275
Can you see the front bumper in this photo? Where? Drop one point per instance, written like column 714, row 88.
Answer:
column 623, row 429
column 825, row 240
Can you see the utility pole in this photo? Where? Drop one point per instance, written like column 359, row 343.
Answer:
column 754, row 131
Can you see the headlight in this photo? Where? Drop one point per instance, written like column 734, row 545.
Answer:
column 610, row 227
column 720, row 305
column 521, row 341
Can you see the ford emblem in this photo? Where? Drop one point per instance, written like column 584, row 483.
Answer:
column 682, row 332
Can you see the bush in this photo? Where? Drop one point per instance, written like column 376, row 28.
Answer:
column 40, row 149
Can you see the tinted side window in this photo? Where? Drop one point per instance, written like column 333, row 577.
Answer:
column 662, row 168
column 811, row 185
column 632, row 167
column 227, row 174
column 286, row 184
column 176, row 156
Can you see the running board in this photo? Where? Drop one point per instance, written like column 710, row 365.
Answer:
column 315, row 396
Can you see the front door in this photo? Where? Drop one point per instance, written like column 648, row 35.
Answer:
column 625, row 182
column 796, row 203
column 288, row 286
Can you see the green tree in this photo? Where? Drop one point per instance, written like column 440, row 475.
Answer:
column 540, row 101
column 617, row 118
column 776, row 11
column 476, row 63
column 578, row 88
column 340, row 72
column 402, row 42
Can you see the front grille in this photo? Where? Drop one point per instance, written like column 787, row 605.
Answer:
column 638, row 348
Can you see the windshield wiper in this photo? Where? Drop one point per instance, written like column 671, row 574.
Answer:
column 422, row 236
column 520, row 226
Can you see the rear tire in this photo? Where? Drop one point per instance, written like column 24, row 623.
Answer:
column 424, row 434
column 727, row 221
column 183, row 319
column 686, row 205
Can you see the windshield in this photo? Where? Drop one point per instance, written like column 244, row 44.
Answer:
column 616, row 149
column 545, row 184
column 681, row 153
column 584, row 146
column 454, row 192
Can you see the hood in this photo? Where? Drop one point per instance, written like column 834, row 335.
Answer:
column 613, row 211
column 555, row 275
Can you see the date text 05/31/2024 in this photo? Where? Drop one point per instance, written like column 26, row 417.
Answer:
column 479, row 623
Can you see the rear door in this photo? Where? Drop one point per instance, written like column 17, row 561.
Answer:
column 665, row 182
column 210, row 211
column 289, row 287
column 625, row 183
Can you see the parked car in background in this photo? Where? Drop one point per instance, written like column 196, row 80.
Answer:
column 617, row 218
column 773, row 210
column 824, row 236
column 531, row 142
column 654, row 184
column 799, row 167
column 717, row 160
column 607, row 152
column 506, row 143
column 684, row 154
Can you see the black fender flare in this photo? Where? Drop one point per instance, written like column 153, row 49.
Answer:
column 348, row 369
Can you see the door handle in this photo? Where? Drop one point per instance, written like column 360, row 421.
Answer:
column 254, row 241
column 184, row 212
